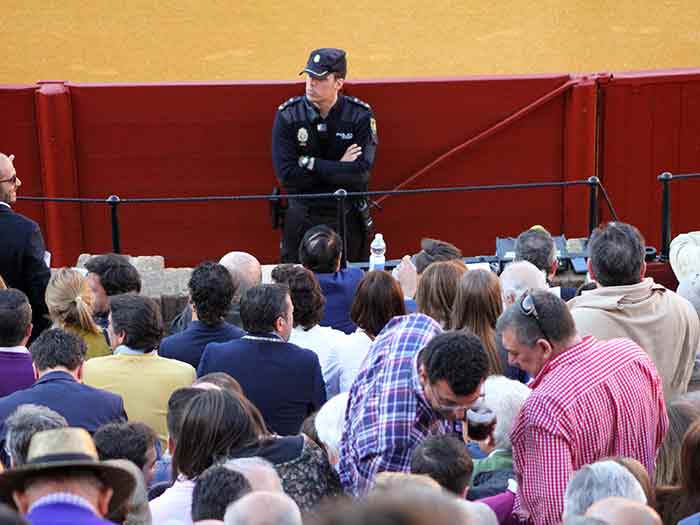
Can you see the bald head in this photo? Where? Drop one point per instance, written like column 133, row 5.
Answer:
column 8, row 185
column 518, row 278
column 263, row 508
column 621, row 511
column 245, row 271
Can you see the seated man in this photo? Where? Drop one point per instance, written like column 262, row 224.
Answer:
column 281, row 379
column 320, row 251
column 588, row 398
column 412, row 384
column 536, row 246
column 621, row 511
column 410, row 269
column 58, row 358
column 108, row 275
column 626, row 304
column 308, row 302
column 133, row 441
column 136, row 371
column 64, row 482
column 598, row 481
column 446, row 460
column 217, row 488
column 246, row 272
column 504, row 397
column 516, row 279
column 16, row 371
column 263, row 508
column 21, row 426
column 211, row 292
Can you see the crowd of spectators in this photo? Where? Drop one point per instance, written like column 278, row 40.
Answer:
column 440, row 394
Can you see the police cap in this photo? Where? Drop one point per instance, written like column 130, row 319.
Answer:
column 325, row 61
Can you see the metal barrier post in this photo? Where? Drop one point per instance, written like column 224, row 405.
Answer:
column 593, row 218
column 113, row 201
column 341, row 195
column 665, row 178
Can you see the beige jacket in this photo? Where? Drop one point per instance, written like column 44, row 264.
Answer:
column 664, row 324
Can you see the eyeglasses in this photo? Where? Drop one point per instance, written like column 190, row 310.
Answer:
column 529, row 309
column 11, row 180
column 447, row 406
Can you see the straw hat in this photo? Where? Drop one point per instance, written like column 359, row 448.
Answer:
column 67, row 449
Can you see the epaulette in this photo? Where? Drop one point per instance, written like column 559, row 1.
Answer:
column 293, row 100
column 359, row 102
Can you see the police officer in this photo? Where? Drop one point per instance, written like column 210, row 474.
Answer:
column 321, row 142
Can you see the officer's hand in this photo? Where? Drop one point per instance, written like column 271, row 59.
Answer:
column 351, row 153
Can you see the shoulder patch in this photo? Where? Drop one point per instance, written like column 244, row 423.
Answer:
column 289, row 102
column 359, row 102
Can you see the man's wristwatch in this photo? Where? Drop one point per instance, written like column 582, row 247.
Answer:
column 306, row 162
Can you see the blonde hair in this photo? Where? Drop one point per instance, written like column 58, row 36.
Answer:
column 477, row 306
column 3, row 286
column 69, row 300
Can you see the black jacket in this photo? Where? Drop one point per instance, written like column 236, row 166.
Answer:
column 22, row 263
column 298, row 131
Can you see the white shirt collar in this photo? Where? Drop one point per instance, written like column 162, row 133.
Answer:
column 14, row 349
column 5, row 204
column 63, row 497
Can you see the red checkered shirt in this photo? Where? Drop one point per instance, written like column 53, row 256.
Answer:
column 597, row 399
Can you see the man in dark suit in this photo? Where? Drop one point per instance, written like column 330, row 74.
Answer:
column 281, row 379
column 211, row 292
column 58, row 360
column 22, row 248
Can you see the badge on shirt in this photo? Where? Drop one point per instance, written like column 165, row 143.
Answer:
column 344, row 136
column 373, row 128
column 302, row 136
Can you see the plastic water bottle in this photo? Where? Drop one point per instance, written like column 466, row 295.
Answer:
column 377, row 253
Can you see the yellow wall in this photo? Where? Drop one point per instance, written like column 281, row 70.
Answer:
column 127, row 41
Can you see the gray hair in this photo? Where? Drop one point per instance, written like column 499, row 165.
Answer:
column 245, row 270
column 504, row 397
column 536, row 246
column 597, row 481
column 259, row 472
column 329, row 423
column 263, row 508
column 22, row 424
column 519, row 277
column 689, row 289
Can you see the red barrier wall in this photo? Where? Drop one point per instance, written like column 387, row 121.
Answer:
column 18, row 137
column 214, row 139
column 185, row 140
column 651, row 124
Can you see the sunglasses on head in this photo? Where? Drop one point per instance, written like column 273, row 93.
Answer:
column 529, row 309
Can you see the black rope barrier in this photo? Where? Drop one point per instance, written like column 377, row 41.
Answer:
column 115, row 201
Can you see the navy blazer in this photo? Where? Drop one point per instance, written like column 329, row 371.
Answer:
column 82, row 405
column 339, row 290
column 22, row 263
column 281, row 379
column 188, row 345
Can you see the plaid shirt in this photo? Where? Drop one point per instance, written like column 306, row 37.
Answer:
column 597, row 399
column 387, row 415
